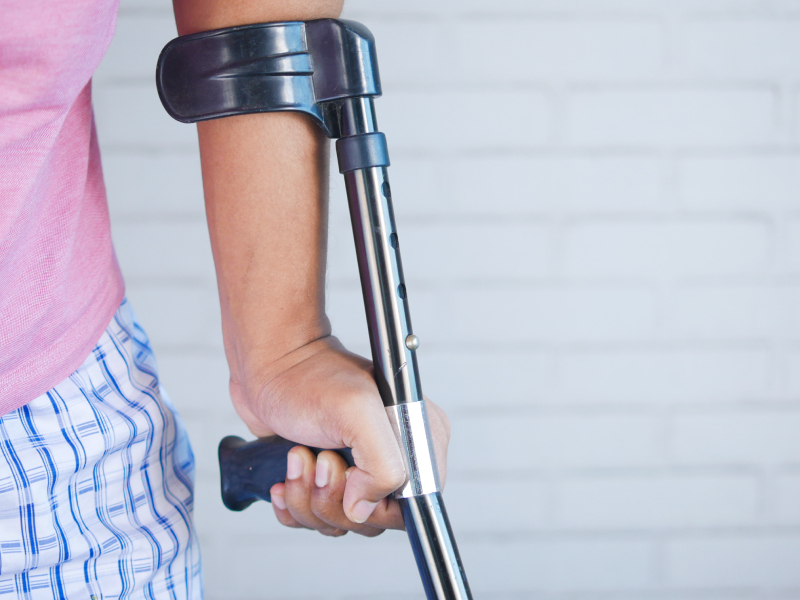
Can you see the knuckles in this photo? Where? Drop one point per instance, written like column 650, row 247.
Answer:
column 393, row 478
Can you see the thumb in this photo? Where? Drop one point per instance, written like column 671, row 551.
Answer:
column 379, row 469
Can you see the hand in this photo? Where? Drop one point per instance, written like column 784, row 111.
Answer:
column 324, row 396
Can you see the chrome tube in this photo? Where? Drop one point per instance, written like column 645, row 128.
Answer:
column 434, row 547
column 383, row 285
column 394, row 346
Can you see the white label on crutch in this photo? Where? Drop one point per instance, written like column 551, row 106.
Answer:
column 410, row 424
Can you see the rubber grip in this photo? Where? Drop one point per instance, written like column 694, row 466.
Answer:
column 249, row 469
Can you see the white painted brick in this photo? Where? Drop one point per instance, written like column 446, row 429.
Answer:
column 345, row 309
column 495, row 507
column 383, row 596
column 787, row 504
column 614, row 248
column 138, row 41
column 653, row 118
column 734, row 561
column 787, row 302
column 679, row 375
column 420, row 185
column 366, row 10
column 441, row 120
column 402, row 62
column 515, row 50
column 443, row 252
column 741, row 47
column 197, row 382
column 733, row 312
column 178, row 316
column 474, row 378
column 244, row 565
column 793, row 245
column 131, row 116
column 558, row 565
column 547, row 315
column 793, row 374
column 753, row 183
column 128, row 6
column 614, row 8
column 523, row 442
column 153, row 185
column 342, row 262
column 219, row 522
column 556, row 184
column 742, row 437
column 206, row 432
column 518, row 184
column 164, row 250
column 658, row 501
column 727, row 312
column 547, row 8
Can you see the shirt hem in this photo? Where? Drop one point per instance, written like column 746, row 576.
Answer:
column 38, row 375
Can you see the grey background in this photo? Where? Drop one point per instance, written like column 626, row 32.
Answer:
column 599, row 206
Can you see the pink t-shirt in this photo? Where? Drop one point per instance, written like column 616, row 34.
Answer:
column 59, row 279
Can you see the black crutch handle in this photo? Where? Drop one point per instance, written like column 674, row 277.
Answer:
column 249, row 469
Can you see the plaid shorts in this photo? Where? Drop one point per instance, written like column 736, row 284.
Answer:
column 96, row 480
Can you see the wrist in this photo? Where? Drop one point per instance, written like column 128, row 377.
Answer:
column 257, row 381
column 257, row 351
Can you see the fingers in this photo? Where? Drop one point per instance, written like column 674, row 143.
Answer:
column 379, row 467
column 315, row 494
column 328, row 492
column 299, row 486
column 440, row 430
column 312, row 497
column 387, row 515
column 284, row 517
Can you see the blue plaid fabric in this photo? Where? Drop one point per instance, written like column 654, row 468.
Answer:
column 96, row 481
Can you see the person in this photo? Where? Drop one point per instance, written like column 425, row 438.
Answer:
column 96, row 471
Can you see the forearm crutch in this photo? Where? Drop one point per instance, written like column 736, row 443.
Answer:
column 328, row 69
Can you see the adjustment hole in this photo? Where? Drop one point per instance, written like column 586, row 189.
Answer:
column 393, row 240
column 401, row 290
column 387, row 191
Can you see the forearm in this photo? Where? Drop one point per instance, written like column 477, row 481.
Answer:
column 265, row 181
column 265, row 178
column 203, row 15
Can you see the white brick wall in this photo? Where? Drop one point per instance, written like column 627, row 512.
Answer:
column 599, row 210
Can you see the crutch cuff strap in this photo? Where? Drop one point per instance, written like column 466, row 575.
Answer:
column 362, row 151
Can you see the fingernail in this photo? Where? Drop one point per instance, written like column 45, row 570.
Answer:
column 362, row 510
column 323, row 473
column 279, row 501
column 294, row 466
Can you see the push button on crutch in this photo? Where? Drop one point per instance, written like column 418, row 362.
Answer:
column 412, row 342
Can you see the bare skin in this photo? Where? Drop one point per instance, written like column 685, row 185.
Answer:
column 265, row 179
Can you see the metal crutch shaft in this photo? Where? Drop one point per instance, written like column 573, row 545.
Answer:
column 328, row 69
column 394, row 355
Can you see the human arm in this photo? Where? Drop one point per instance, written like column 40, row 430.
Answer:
column 265, row 179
